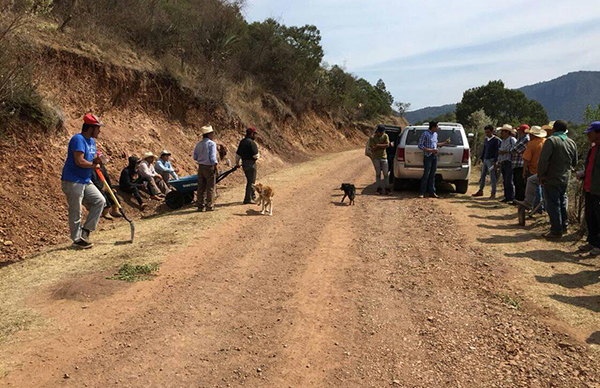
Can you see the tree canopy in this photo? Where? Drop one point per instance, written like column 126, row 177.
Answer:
column 505, row 106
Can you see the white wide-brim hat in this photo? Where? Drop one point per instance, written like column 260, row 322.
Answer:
column 206, row 130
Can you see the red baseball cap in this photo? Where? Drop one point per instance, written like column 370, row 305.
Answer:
column 252, row 130
column 524, row 127
column 92, row 120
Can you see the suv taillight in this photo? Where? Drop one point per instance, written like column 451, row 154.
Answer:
column 466, row 156
column 400, row 154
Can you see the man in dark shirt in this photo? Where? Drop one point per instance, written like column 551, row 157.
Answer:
column 247, row 154
column 489, row 157
column 558, row 157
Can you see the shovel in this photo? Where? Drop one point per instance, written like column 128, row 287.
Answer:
column 114, row 198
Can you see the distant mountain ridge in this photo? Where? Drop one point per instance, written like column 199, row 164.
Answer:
column 565, row 97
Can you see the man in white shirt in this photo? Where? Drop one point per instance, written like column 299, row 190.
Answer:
column 205, row 154
column 147, row 172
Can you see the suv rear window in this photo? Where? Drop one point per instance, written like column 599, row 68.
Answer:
column 413, row 136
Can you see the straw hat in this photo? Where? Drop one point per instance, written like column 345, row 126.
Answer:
column 538, row 131
column 206, row 130
column 548, row 126
column 508, row 127
column 149, row 154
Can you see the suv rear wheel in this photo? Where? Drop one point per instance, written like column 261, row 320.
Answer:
column 462, row 186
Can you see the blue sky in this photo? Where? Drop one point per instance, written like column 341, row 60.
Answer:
column 430, row 51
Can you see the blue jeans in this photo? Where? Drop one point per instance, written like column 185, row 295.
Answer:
column 430, row 168
column 556, row 206
column 507, row 174
column 488, row 167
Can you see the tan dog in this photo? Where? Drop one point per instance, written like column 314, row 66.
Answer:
column 265, row 197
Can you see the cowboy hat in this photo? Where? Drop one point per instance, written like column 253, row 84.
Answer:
column 206, row 130
column 165, row 152
column 548, row 126
column 508, row 127
column 149, row 154
column 537, row 131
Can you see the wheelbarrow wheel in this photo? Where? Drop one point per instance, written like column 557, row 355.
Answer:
column 522, row 215
column 175, row 200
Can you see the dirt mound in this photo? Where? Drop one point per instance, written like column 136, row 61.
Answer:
column 143, row 111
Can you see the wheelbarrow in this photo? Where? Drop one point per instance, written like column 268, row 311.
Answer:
column 184, row 189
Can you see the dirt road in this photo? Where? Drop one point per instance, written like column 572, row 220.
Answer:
column 390, row 292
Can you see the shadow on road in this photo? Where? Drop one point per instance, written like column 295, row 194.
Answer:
column 578, row 280
column 594, row 339
column 550, row 256
column 506, row 217
column 587, row 302
column 502, row 239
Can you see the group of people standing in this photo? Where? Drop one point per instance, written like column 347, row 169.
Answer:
column 83, row 185
column 536, row 165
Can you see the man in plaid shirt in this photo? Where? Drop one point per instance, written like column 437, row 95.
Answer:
column 428, row 143
column 517, row 161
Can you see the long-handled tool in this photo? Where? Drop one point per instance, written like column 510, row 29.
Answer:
column 114, row 198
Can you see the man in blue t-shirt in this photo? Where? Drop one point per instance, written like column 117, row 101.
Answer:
column 77, row 184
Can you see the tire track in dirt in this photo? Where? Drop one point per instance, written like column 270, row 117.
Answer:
column 229, row 286
column 387, row 293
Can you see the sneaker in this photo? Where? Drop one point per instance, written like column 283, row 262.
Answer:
column 82, row 244
column 211, row 209
column 586, row 248
column 434, row 195
column 252, row 202
column 478, row 194
column 85, row 235
column 552, row 236
column 200, row 209
column 493, row 196
column 421, row 196
column 108, row 216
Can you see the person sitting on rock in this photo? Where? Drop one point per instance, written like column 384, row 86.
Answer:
column 155, row 180
column 130, row 183
column 164, row 168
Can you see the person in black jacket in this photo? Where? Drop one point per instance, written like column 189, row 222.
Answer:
column 131, row 183
column 110, row 208
column 247, row 155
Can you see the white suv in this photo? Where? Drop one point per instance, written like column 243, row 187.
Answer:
column 454, row 160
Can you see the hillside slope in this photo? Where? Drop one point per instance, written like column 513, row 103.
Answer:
column 143, row 111
column 565, row 97
column 429, row 112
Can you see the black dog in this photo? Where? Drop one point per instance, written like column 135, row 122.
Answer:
column 349, row 191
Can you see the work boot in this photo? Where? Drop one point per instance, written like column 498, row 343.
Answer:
column 586, row 248
column 114, row 211
column 552, row 236
column 478, row 194
column 595, row 252
column 82, row 244
column 106, row 214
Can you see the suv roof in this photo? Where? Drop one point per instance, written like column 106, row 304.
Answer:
column 457, row 125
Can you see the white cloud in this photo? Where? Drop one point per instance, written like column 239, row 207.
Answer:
column 376, row 38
